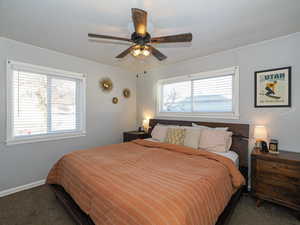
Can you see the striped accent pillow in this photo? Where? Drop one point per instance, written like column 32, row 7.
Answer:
column 175, row 136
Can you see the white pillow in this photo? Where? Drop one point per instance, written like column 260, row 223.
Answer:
column 214, row 140
column 192, row 137
column 159, row 132
column 229, row 140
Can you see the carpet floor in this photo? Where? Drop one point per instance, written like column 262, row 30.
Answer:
column 38, row 206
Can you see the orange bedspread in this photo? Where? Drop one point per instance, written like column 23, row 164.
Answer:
column 147, row 183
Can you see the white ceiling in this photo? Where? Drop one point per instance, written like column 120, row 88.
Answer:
column 217, row 25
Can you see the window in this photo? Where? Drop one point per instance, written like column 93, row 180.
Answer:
column 210, row 94
column 43, row 103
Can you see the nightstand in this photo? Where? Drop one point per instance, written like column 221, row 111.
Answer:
column 132, row 135
column 276, row 178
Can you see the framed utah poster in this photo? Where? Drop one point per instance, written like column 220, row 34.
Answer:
column 273, row 87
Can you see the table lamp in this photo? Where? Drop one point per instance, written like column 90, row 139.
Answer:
column 145, row 125
column 261, row 135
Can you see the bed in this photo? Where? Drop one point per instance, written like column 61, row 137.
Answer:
column 138, row 182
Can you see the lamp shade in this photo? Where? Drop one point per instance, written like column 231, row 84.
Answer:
column 260, row 133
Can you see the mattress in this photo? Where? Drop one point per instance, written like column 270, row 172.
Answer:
column 231, row 154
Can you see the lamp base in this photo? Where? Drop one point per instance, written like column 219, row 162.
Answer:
column 258, row 144
column 262, row 146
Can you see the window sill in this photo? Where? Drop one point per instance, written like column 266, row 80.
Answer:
column 200, row 115
column 42, row 138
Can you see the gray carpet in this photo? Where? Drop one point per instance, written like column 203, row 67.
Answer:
column 38, row 206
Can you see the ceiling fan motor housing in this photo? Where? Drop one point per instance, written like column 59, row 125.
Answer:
column 140, row 40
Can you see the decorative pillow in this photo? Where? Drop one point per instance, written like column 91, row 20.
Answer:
column 192, row 136
column 214, row 140
column 159, row 132
column 175, row 136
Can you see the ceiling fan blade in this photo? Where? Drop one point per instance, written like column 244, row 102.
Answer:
column 186, row 37
column 139, row 18
column 157, row 54
column 109, row 37
column 126, row 52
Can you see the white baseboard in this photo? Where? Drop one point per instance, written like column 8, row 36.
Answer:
column 21, row 188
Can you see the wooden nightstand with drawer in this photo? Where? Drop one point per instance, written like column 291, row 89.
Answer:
column 132, row 135
column 276, row 178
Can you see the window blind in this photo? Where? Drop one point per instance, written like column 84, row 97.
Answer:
column 214, row 92
column 44, row 103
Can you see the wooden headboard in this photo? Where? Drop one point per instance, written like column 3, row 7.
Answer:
column 240, row 135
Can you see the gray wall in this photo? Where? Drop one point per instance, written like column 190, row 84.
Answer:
column 22, row 164
column 282, row 123
column 26, row 163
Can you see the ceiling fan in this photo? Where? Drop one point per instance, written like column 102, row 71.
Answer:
column 141, row 40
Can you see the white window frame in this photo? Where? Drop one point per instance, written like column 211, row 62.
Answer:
column 209, row 74
column 10, row 139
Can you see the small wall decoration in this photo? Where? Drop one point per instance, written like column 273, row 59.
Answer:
column 115, row 100
column 273, row 87
column 126, row 93
column 106, row 84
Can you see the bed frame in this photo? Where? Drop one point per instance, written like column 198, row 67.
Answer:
column 239, row 145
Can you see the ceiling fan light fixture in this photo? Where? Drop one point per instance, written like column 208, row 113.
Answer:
column 136, row 52
column 146, row 52
column 140, row 51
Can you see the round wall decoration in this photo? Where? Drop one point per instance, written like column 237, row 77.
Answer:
column 106, row 84
column 126, row 93
column 115, row 100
